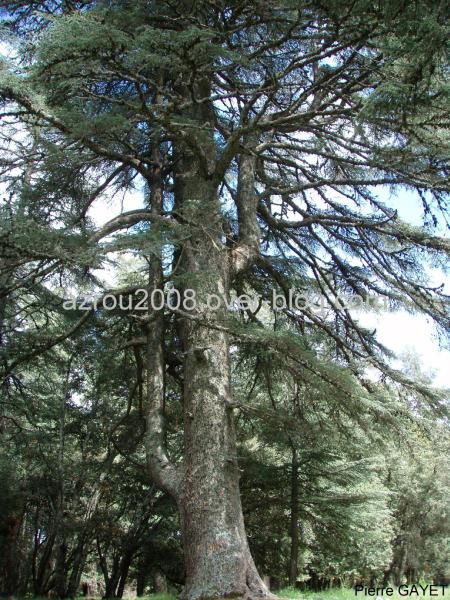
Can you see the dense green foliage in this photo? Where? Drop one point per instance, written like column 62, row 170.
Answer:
column 304, row 116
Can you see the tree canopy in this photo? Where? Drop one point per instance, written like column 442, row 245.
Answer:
column 138, row 385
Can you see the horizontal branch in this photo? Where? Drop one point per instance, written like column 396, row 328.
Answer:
column 128, row 219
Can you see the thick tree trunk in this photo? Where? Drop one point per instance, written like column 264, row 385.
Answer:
column 217, row 557
column 218, row 562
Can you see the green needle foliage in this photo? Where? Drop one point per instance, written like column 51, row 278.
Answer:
column 261, row 145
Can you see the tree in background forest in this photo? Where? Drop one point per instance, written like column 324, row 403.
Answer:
column 264, row 137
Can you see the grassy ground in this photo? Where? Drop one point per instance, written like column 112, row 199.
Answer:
column 336, row 594
column 333, row 594
column 349, row 594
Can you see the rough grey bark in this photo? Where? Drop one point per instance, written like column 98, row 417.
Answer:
column 161, row 469
column 218, row 562
column 247, row 248
column 217, row 558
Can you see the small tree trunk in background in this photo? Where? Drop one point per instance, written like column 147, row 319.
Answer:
column 10, row 559
column 79, row 559
column 124, row 568
column 60, row 570
column 86, row 535
column 294, row 529
column 140, row 582
column 61, row 548
column 402, row 565
column 160, row 583
column 42, row 570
